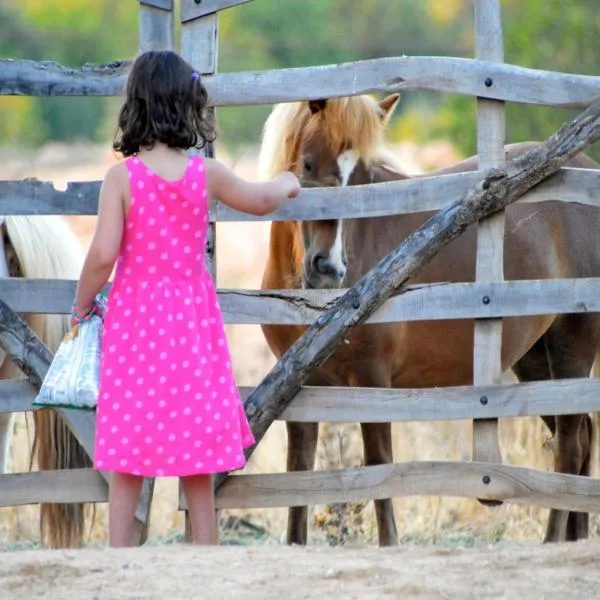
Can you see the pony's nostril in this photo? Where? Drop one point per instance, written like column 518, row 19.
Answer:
column 322, row 265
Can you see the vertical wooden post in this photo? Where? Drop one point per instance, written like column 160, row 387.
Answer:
column 156, row 33
column 487, row 368
column 200, row 46
column 156, row 25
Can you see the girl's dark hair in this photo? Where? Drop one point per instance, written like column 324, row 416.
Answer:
column 165, row 102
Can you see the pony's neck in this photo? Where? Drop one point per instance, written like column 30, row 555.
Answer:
column 284, row 264
column 381, row 173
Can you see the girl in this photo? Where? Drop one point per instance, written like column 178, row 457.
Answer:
column 168, row 404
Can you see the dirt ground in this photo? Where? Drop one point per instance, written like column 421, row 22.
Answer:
column 263, row 572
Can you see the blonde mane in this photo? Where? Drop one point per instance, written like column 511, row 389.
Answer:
column 355, row 122
column 46, row 248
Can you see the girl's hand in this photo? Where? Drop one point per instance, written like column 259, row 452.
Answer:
column 290, row 179
column 80, row 314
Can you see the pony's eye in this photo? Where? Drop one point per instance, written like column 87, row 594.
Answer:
column 307, row 165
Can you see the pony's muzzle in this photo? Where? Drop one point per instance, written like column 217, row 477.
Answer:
column 323, row 273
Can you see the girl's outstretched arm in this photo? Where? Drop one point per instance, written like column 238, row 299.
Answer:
column 104, row 249
column 249, row 197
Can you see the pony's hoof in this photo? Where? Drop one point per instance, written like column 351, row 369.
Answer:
column 490, row 503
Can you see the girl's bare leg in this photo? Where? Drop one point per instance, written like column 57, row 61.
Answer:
column 123, row 498
column 200, row 497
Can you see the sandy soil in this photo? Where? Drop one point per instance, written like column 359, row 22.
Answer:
column 506, row 571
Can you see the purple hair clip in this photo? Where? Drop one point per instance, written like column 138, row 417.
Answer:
column 195, row 75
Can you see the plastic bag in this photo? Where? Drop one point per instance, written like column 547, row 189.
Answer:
column 73, row 377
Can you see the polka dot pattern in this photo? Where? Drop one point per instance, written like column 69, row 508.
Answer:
column 168, row 404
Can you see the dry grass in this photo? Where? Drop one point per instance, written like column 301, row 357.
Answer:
column 241, row 254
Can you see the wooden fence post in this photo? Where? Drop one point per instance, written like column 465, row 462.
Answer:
column 157, row 30
column 487, row 367
column 156, row 33
column 200, row 47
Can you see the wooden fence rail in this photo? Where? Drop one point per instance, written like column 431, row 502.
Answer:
column 421, row 194
column 478, row 78
column 482, row 300
column 383, row 405
column 518, row 485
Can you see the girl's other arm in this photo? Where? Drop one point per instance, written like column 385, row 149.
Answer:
column 246, row 196
column 104, row 249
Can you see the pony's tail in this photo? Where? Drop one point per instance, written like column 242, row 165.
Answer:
column 45, row 247
column 595, row 434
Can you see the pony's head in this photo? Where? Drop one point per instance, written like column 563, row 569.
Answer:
column 327, row 143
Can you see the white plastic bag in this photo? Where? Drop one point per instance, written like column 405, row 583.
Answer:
column 73, row 377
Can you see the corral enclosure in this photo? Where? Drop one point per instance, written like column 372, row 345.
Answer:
column 520, row 443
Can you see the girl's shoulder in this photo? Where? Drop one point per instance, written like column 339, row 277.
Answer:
column 119, row 173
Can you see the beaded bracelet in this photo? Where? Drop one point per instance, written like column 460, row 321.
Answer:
column 76, row 320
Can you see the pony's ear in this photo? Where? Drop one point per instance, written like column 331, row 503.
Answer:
column 317, row 105
column 388, row 106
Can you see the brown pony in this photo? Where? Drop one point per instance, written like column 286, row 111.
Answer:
column 339, row 142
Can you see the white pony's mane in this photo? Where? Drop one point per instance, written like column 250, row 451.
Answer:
column 46, row 248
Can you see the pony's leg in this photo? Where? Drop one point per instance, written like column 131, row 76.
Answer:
column 377, row 442
column 578, row 523
column 565, row 351
column 6, row 434
column 571, row 455
column 302, row 448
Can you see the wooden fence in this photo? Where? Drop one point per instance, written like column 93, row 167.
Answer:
column 493, row 83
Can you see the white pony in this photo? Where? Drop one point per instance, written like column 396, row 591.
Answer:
column 44, row 247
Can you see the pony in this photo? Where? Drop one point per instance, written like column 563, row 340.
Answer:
column 35, row 247
column 341, row 141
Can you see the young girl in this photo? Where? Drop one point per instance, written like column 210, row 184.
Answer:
column 168, row 404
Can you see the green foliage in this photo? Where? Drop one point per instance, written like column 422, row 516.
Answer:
column 549, row 35
column 266, row 34
column 71, row 33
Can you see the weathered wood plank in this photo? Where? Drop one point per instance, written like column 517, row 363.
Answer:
column 518, row 485
column 61, row 486
column 496, row 191
column 156, row 25
column 303, row 307
column 190, row 9
column 157, row 32
column 16, row 395
column 377, row 405
column 399, row 197
column 491, row 133
column 199, row 44
column 200, row 47
column 383, row 75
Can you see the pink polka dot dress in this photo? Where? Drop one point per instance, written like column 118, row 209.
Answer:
column 168, row 404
